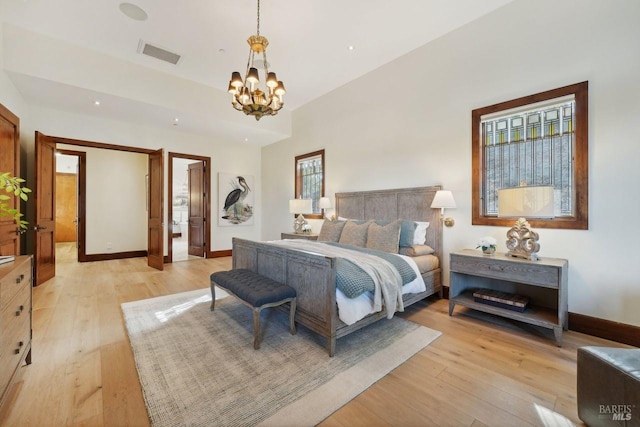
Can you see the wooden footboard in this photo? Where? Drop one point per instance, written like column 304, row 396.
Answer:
column 312, row 276
column 314, row 279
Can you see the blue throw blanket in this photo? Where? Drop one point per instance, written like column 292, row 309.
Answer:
column 353, row 281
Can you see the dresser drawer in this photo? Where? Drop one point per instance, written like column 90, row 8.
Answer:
column 13, row 282
column 16, row 334
column 509, row 270
column 14, row 317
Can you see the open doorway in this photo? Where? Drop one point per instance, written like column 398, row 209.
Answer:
column 68, row 199
column 189, row 207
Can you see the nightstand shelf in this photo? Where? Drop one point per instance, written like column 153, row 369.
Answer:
column 543, row 282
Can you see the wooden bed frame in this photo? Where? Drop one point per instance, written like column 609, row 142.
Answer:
column 314, row 276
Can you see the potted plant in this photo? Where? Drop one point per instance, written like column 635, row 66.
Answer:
column 12, row 185
column 488, row 245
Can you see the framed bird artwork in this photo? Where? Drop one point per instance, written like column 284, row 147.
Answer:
column 235, row 199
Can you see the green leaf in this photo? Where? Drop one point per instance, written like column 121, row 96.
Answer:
column 24, row 197
column 3, row 197
column 26, row 190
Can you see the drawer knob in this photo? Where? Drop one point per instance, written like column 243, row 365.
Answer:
column 21, row 343
column 16, row 351
column 18, row 312
column 18, row 279
column 22, row 308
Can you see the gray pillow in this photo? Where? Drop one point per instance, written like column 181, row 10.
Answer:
column 384, row 238
column 355, row 234
column 331, row 231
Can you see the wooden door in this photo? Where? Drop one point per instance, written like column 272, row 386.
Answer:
column 66, row 212
column 45, row 245
column 155, row 245
column 9, row 162
column 196, row 209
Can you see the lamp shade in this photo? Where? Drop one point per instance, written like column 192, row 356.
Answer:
column 443, row 199
column 300, row 206
column 324, row 203
column 535, row 201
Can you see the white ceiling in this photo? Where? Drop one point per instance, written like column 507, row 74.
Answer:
column 308, row 47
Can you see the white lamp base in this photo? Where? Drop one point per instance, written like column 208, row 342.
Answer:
column 522, row 241
column 299, row 224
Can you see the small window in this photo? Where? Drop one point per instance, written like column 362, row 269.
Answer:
column 540, row 139
column 309, row 169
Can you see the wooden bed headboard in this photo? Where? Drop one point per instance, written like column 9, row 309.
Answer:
column 402, row 203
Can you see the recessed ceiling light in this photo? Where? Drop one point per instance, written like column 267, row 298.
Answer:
column 133, row 11
column 246, row 140
column 221, row 50
column 175, row 121
column 96, row 103
column 351, row 47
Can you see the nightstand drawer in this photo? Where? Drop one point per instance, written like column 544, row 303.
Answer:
column 306, row 236
column 506, row 269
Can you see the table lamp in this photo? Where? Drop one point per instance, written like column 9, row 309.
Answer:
column 535, row 201
column 300, row 207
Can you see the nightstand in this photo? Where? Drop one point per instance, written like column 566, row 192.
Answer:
column 542, row 282
column 306, row 236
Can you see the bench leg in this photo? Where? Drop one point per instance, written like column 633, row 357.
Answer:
column 256, row 328
column 292, row 317
column 213, row 297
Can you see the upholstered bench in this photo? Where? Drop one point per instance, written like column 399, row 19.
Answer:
column 257, row 292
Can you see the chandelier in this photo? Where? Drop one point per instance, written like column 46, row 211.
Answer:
column 246, row 94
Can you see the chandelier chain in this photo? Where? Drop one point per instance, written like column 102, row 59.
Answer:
column 258, row 31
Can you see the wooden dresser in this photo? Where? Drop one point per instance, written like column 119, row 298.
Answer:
column 15, row 319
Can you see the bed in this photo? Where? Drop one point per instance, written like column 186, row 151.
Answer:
column 314, row 275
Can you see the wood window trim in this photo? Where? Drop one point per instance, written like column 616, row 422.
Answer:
column 298, row 181
column 580, row 220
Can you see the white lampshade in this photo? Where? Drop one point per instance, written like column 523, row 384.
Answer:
column 324, row 203
column 443, row 199
column 300, row 206
column 535, row 201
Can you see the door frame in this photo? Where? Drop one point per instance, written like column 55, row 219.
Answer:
column 207, row 203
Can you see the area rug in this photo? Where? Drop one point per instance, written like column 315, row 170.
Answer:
column 199, row 368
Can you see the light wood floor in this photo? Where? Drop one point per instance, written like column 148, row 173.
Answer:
column 481, row 371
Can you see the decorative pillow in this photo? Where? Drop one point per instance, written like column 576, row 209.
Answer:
column 354, row 234
column 407, row 231
column 416, row 250
column 384, row 238
column 331, row 230
column 420, row 235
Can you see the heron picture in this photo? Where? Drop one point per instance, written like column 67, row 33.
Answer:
column 235, row 199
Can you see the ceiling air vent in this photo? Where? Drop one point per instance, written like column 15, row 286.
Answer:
column 158, row 53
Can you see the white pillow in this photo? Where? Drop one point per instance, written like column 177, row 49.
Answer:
column 420, row 235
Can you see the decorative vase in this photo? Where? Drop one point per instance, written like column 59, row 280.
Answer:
column 488, row 250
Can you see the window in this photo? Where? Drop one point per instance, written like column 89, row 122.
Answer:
column 309, row 169
column 540, row 139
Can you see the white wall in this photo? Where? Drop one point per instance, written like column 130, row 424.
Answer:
column 225, row 156
column 408, row 124
column 10, row 97
column 116, row 200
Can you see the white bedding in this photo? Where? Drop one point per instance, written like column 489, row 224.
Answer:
column 350, row 310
